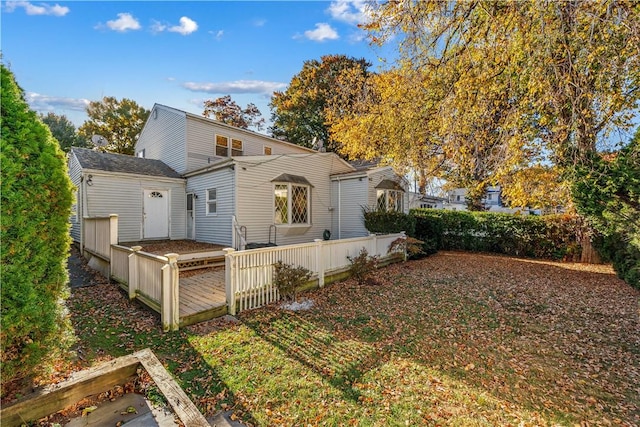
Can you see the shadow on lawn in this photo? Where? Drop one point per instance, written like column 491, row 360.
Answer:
column 341, row 362
column 557, row 339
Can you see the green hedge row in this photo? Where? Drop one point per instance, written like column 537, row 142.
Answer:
column 549, row 236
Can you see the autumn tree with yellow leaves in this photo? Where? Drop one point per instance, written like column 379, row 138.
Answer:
column 484, row 91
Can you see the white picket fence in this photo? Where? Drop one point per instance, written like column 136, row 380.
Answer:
column 249, row 274
column 98, row 234
column 154, row 279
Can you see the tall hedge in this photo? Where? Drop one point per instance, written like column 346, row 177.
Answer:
column 606, row 190
column 36, row 202
column 550, row 236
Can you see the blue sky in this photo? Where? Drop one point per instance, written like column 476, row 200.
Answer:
column 178, row 53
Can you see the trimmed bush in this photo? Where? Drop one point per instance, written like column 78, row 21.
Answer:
column 376, row 221
column 288, row 279
column 362, row 266
column 36, row 203
column 550, row 236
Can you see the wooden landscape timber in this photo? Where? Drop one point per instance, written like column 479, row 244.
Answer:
column 100, row 379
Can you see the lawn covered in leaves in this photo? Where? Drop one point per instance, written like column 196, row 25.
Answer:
column 453, row 339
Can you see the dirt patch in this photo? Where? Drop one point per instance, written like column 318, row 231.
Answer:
column 162, row 247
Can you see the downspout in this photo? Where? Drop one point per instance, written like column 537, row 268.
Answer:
column 339, row 209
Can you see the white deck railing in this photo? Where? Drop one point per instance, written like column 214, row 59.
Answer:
column 249, row 274
column 239, row 241
column 98, row 234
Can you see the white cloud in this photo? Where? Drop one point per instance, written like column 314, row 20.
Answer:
column 322, row 32
column 157, row 27
column 238, row 86
column 351, row 11
column 42, row 103
column 259, row 22
column 125, row 22
column 41, row 9
column 217, row 34
column 186, row 27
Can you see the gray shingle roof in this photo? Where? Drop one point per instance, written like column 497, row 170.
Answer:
column 90, row 159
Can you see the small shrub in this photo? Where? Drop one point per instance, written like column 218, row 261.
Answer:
column 412, row 246
column 288, row 279
column 362, row 265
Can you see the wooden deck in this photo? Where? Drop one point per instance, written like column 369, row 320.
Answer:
column 202, row 297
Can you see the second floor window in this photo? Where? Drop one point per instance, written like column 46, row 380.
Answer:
column 236, row 147
column 222, row 146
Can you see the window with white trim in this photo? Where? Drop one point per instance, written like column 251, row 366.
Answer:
column 390, row 200
column 292, row 204
column 222, row 146
column 236, row 147
column 212, row 201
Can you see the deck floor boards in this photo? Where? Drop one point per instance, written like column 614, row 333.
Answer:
column 202, row 292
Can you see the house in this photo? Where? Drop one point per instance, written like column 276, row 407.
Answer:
column 492, row 201
column 197, row 178
column 425, row 201
column 148, row 196
column 369, row 186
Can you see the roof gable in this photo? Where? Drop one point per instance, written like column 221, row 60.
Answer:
column 111, row 162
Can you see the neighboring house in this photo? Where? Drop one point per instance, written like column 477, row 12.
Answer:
column 492, row 201
column 148, row 196
column 422, row 201
column 227, row 185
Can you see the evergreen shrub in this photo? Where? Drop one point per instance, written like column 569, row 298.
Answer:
column 36, row 203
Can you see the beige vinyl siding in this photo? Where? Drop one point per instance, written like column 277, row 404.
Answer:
column 164, row 138
column 214, row 228
column 255, row 194
column 349, row 196
column 121, row 194
column 201, row 136
column 75, row 173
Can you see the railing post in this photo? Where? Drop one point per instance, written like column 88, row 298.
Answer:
column 374, row 244
column 319, row 262
column 133, row 271
column 404, row 236
column 229, row 280
column 113, row 239
column 170, row 300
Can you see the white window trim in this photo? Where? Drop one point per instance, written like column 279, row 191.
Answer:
column 209, row 201
column 231, row 149
column 386, row 200
column 289, row 207
column 228, row 147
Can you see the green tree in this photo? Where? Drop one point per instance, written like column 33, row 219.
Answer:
column 36, row 204
column 120, row 122
column 226, row 110
column 64, row 131
column 607, row 192
column 299, row 114
column 498, row 85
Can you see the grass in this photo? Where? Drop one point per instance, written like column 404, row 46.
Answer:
column 455, row 339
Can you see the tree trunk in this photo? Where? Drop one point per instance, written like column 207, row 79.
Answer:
column 589, row 254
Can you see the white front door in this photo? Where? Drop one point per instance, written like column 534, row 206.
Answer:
column 156, row 214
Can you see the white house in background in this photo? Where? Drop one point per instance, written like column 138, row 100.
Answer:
column 422, row 201
column 230, row 186
column 492, row 201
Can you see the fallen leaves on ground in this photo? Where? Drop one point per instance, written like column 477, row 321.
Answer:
column 453, row 338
